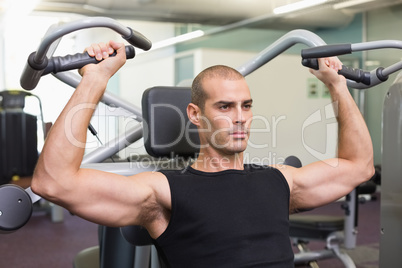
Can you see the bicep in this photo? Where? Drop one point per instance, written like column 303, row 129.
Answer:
column 108, row 199
column 322, row 182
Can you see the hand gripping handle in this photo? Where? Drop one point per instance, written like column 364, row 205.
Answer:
column 77, row 61
column 356, row 75
column 33, row 71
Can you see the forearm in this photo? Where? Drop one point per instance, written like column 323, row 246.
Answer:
column 354, row 142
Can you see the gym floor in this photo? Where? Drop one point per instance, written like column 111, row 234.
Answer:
column 42, row 243
column 366, row 253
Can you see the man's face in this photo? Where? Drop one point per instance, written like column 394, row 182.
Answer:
column 227, row 115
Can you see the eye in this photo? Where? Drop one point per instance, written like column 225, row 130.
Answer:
column 224, row 107
column 247, row 106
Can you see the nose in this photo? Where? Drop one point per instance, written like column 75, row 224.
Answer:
column 240, row 117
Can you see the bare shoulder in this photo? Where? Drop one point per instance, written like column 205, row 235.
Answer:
column 287, row 172
column 158, row 184
column 290, row 173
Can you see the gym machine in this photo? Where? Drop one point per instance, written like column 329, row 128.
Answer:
column 39, row 61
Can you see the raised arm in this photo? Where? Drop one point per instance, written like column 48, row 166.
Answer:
column 325, row 181
column 101, row 197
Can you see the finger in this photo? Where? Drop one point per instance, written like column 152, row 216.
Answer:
column 323, row 63
column 335, row 63
column 104, row 50
column 327, row 62
column 118, row 47
column 332, row 63
column 110, row 48
column 90, row 51
column 115, row 45
column 97, row 51
column 339, row 64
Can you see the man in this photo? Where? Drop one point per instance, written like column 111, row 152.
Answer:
column 218, row 212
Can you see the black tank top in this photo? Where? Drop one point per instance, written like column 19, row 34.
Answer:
column 232, row 218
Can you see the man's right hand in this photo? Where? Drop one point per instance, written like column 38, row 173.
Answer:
column 110, row 65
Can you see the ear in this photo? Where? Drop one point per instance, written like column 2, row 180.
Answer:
column 194, row 113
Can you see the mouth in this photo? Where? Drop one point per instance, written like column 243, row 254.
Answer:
column 238, row 134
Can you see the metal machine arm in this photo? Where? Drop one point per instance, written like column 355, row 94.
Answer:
column 38, row 61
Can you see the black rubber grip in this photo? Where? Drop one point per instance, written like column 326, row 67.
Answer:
column 138, row 40
column 77, row 61
column 326, row 51
column 311, row 63
column 356, row 75
column 32, row 72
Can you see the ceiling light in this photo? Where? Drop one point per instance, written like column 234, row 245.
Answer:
column 297, row 6
column 177, row 39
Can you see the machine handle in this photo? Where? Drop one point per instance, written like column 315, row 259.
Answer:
column 356, row 75
column 38, row 60
column 326, row 51
column 138, row 40
column 34, row 71
column 77, row 61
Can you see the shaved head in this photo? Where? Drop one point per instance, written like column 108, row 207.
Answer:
column 198, row 94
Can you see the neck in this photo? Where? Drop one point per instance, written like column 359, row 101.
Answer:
column 214, row 163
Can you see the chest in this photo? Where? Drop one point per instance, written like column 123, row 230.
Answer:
column 227, row 221
column 233, row 203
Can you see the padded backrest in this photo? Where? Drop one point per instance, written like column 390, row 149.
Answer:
column 167, row 130
column 167, row 133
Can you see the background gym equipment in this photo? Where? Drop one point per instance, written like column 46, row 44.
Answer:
column 15, row 208
column 18, row 136
column 36, row 67
column 391, row 178
column 18, row 156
